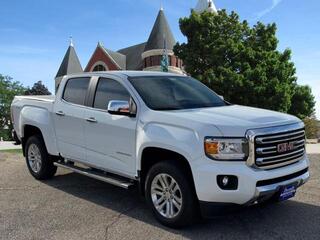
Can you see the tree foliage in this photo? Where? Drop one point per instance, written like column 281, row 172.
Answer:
column 38, row 89
column 312, row 127
column 8, row 89
column 242, row 63
column 302, row 102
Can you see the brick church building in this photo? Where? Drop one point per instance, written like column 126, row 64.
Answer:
column 145, row 56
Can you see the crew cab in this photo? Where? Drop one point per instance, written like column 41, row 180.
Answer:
column 188, row 150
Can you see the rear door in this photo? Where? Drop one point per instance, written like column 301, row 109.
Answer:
column 110, row 139
column 69, row 120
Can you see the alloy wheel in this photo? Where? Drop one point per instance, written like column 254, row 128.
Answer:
column 166, row 195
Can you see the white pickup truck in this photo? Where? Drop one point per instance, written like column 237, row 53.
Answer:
column 187, row 149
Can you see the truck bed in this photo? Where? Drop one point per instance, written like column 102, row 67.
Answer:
column 29, row 108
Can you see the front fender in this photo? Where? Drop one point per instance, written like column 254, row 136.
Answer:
column 178, row 139
column 40, row 118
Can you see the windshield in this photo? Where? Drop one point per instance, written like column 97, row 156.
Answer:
column 175, row 93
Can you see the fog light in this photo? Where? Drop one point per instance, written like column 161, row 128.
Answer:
column 227, row 182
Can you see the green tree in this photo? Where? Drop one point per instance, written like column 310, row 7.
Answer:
column 38, row 89
column 8, row 89
column 312, row 126
column 303, row 102
column 240, row 62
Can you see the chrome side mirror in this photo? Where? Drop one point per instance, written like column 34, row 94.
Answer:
column 221, row 97
column 117, row 107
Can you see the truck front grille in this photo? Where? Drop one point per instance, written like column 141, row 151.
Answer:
column 279, row 149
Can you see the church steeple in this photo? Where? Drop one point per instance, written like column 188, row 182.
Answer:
column 70, row 64
column 159, row 45
column 160, row 32
column 205, row 5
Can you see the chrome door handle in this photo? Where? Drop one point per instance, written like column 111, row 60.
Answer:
column 60, row 113
column 91, row 119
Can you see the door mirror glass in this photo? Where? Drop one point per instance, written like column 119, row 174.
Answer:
column 117, row 107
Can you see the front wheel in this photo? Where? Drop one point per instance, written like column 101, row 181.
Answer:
column 170, row 195
column 38, row 160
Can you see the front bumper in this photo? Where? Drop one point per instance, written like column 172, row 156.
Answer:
column 254, row 185
column 262, row 194
column 265, row 192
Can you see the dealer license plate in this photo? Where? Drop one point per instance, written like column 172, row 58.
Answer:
column 287, row 192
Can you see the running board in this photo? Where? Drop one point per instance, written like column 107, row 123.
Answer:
column 121, row 182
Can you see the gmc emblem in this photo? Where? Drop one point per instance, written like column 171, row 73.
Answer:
column 285, row 147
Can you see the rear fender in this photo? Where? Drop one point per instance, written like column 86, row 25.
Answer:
column 40, row 118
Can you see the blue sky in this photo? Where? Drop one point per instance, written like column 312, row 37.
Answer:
column 34, row 34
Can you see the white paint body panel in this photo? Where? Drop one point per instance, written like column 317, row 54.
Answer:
column 116, row 143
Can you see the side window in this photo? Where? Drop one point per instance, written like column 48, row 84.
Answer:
column 75, row 90
column 107, row 90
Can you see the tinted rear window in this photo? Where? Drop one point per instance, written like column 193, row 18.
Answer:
column 76, row 90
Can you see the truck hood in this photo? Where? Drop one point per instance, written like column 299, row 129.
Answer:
column 234, row 120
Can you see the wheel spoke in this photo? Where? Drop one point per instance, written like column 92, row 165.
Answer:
column 160, row 207
column 162, row 182
column 175, row 203
column 159, row 200
column 172, row 184
column 165, row 180
column 177, row 199
column 157, row 186
column 171, row 208
column 167, row 208
column 158, row 192
column 176, row 187
column 38, row 166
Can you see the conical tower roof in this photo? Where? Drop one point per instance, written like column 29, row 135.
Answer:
column 70, row 63
column 160, row 33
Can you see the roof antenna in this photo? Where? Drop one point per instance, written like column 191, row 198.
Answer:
column 161, row 5
column 71, row 41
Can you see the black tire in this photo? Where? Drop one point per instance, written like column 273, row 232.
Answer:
column 189, row 211
column 46, row 169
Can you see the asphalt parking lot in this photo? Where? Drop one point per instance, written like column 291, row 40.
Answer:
column 72, row 206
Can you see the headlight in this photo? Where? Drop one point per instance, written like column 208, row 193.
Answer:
column 234, row 149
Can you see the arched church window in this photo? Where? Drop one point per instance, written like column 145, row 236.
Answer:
column 99, row 68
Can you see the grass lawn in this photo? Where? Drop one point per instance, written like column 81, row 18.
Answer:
column 12, row 151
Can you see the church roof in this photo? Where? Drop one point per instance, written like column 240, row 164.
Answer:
column 160, row 31
column 133, row 54
column 70, row 63
column 118, row 58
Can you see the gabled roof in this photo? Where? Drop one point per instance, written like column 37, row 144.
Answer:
column 161, row 31
column 70, row 63
column 133, row 54
column 118, row 58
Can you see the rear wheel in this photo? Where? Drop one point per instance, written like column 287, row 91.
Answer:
column 38, row 160
column 170, row 195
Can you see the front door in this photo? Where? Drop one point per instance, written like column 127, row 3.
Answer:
column 69, row 120
column 110, row 139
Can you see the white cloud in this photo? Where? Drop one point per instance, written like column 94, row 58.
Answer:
column 275, row 3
